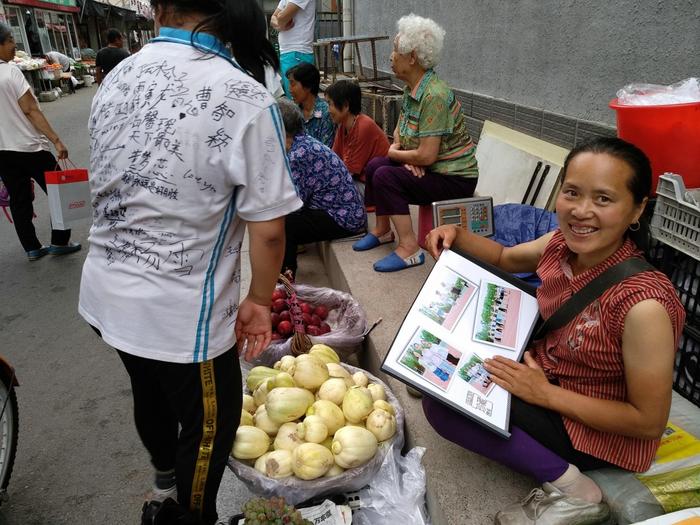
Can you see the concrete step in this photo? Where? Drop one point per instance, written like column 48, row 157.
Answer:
column 462, row 487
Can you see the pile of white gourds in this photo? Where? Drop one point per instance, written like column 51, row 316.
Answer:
column 308, row 417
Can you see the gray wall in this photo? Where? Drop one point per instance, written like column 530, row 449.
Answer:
column 568, row 57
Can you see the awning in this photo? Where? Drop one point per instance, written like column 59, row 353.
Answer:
column 68, row 6
column 93, row 8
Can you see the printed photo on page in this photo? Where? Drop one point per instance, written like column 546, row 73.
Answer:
column 474, row 373
column 497, row 315
column 446, row 304
column 431, row 358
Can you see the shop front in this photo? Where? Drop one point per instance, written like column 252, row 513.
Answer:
column 40, row 26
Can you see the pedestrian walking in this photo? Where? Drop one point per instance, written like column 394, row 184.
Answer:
column 25, row 135
column 108, row 57
column 186, row 152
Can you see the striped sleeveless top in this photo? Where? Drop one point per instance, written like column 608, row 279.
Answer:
column 585, row 356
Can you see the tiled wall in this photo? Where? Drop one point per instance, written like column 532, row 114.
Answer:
column 558, row 129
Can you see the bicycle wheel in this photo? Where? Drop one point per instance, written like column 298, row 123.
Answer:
column 8, row 434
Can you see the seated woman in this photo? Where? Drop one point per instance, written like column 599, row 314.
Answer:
column 332, row 205
column 358, row 138
column 304, row 83
column 596, row 392
column 432, row 157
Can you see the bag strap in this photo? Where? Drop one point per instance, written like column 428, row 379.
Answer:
column 590, row 292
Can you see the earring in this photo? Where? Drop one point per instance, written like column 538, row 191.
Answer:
column 635, row 227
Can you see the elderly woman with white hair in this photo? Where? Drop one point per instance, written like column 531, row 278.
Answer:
column 432, row 157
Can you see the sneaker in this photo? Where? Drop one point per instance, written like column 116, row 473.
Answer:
column 548, row 506
column 35, row 255
column 167, row 512
column 64, row 250
column 157, row 494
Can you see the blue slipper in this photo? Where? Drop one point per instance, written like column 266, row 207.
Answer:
column 370, row 241
column 394, row 263
column 64, row 250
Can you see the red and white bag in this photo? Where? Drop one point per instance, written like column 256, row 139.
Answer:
column 69, row 196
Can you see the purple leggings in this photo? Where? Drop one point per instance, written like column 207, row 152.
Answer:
column 391, row 187
column 539, row 445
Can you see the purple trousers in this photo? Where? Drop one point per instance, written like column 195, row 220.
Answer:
column 391, row 187
column 539, row 445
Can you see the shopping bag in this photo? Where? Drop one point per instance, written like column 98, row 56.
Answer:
column 69, row 196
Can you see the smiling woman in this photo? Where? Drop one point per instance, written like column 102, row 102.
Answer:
column 597, row 391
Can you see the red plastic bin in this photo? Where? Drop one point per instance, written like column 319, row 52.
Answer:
column 668, row 134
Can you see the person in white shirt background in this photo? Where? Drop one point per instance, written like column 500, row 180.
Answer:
column 186, row 153
column 25, row 135
column 296, row 21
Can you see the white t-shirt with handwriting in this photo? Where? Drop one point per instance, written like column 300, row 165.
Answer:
column 184, row 150
column 300, row 37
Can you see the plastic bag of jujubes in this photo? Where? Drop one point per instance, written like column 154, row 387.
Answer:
column 331, row 317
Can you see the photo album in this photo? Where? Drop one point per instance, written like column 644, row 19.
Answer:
column 467, row 311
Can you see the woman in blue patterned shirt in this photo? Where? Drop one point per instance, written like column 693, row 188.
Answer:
column 333, row 208
column 304, row 83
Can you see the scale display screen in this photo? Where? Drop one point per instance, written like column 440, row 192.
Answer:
column 474, row 214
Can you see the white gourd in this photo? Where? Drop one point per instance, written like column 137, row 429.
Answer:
column 312, row 429
column 384, row 405
column 276, row 464
column 249, row 403
column 336, row 370
column 260, row 393
column 353, row 446
column 287, row 437
column 382, row 424
column 360, row 379
column 286, row 404
column 334, row 389
column 257, row 375
column 287, row 364
column 311, row 461
column 324, row 353
column 331, row 414
column 335, row 470
column 310, row 372
column 264, row 422
column 246, row 419
column 250, row 443
column 357, row 404
column 280, row 380
column 377, row 391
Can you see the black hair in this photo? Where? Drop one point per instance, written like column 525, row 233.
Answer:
column 345, row 92
column 240, row 23
column 291, row 117
column 113, row 35
column 639, row 183
column 307, row 75
column 5, row 32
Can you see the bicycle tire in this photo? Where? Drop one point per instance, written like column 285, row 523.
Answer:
column 9, row 430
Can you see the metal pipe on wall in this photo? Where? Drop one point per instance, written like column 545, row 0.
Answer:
column 348, row 30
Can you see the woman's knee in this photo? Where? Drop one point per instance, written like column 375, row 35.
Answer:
column 376, row 163
column 385, row 180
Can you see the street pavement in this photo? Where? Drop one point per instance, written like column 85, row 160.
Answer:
column 79, row 459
